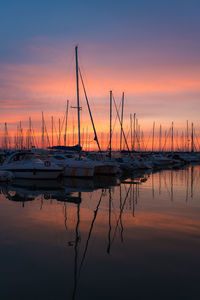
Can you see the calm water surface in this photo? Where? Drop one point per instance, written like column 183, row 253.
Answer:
column 134, row 239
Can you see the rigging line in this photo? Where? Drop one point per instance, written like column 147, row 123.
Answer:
column 62, row 124
column 90, row 113
column 127, row 136
column 114, row 125
column 121, row 125
column 46, row 133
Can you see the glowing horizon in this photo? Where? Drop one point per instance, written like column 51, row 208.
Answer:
column 154, row 61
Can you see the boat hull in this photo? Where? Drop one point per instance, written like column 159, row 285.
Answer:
column 77, row 171
column 105, row 170
column 36, row 174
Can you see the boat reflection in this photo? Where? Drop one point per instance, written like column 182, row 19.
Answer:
column 89, row 185
column 64, row 191
column 113, row 204
column 23, row 190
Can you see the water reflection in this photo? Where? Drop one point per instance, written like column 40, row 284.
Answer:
column 124, row 227
column 27, row 190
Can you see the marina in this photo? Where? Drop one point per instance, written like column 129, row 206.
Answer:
column 51, row 162
column 48, row 165
column 100, row 223
column 99, row 150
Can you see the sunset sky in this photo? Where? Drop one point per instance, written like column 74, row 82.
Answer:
column 148, row 49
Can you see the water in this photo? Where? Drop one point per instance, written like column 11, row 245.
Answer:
column 102, row 240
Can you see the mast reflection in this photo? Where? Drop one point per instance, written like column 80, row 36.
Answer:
column 123, row 199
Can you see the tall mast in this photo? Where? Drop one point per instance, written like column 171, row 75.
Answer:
column 83, row 137
column 52, row 131
column 160, row 138
column 73, row 132
column 122, row 114
column 134, row 131
column 172, row 149
column 77, row 90
column 182, row 140
column 177, row 140
column 42, row 130
column 136, row 134
column 120, row 124
column 153, row 137
column 192, row 139
column 21, row 135
column 110, row 123
column 131, row 125
column 30, row 135
column 164, row 148
column 66, row 117
column 6, row 137
column 59, row 133
column 142, row 140
column 87, row 139
column 138, row 138
column 187, row 137
column 116, row 140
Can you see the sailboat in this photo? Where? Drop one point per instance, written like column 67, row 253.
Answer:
column 27, row 165
column 74, row 167
column 83, row 166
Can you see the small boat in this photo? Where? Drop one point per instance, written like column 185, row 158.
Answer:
column 26, row 165
column 73, row 167
column 102, row 167
column 159, row 161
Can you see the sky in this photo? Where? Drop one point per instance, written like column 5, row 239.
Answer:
column 148, row 49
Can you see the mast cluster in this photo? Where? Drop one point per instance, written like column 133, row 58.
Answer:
column 124, row 137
